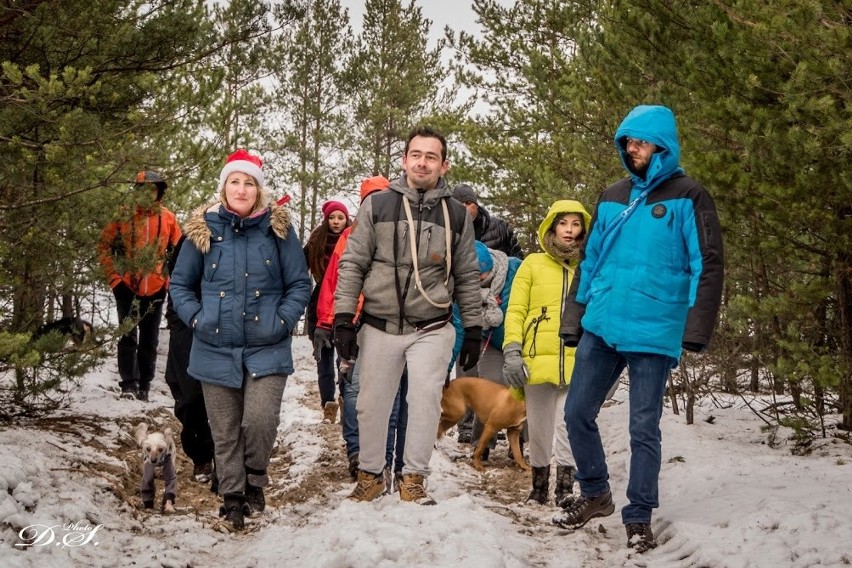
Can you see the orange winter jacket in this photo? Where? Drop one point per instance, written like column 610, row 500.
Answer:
column 144, row 241
column 325, row 302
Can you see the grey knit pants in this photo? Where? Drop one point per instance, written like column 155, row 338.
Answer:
column 382, row 358
column 546, row 422
column 244, row 423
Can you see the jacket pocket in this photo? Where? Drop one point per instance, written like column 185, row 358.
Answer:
column 265, row 326
column 211, row 263
column 269, row 257
column 205, row 324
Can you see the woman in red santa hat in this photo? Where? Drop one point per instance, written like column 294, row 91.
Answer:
column 241, row 284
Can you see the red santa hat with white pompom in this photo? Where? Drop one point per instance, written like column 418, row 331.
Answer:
column 242, row 161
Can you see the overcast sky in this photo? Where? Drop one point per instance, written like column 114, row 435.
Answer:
column 458, row 14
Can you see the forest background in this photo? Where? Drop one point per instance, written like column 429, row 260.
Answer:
column 91, row 91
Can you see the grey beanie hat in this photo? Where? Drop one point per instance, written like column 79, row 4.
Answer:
column 464, row 193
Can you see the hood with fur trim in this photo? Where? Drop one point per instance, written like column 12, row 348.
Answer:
column 198, row 231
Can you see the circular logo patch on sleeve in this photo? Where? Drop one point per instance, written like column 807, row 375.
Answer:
column 659, row 211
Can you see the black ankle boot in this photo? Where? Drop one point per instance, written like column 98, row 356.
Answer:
column 540, row 484
column 255, row 498
column 564, row 484
column 232, row 511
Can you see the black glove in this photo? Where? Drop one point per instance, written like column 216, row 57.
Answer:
column 695, row 347
column 470, row 349
column 345, row 337
column 322, row 340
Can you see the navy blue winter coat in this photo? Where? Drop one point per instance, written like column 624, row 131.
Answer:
column 254, row 288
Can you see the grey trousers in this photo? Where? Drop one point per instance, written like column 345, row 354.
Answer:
column 383, row 356
column 546, row 422
column 244, row 423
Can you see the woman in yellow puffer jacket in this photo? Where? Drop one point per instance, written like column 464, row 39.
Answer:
column 537, row 364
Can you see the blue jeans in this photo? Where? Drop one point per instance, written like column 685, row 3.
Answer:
column 397, row 427
column 349, row 392
column 597, row 367
column 397, row 424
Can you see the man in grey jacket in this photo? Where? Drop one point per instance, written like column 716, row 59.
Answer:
column 411, row 256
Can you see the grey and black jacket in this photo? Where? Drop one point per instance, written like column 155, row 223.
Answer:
column 378, row 261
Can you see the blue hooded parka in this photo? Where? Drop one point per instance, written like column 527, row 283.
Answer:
column 650, row 279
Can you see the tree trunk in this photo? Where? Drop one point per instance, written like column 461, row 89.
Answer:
column 844, row 297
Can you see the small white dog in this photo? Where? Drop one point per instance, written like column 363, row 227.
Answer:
column 158, row 452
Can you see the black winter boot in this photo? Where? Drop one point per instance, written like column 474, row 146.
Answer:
column 255, row 498
column 232, row 512
column 540, row 484
column 564, row 484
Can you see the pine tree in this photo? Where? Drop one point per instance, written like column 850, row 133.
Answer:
column 312, row 134
column 217, row 103
column 394, row 81
column 761, row 93
column 80, row 87
column 541, row 140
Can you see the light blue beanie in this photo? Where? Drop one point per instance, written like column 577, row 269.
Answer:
column 483, row 256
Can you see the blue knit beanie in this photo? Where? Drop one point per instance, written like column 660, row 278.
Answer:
column 483, row 256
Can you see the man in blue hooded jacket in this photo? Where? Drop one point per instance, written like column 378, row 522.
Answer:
column 649, row 285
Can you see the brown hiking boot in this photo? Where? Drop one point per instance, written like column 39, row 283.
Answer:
column 411, row 489
column 583, row 509
column 329, row 412
column 640, row 537
column 369, row 487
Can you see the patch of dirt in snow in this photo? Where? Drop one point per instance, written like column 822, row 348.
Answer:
column 120, row 464
column 502, row 487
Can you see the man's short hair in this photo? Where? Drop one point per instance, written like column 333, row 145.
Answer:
column 427, row 132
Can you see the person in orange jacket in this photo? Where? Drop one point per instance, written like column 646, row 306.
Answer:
column 133, row 253
column 349, row 385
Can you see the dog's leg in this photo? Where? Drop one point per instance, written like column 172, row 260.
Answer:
column 488, row 431
column 146, row 486
column 514, row 436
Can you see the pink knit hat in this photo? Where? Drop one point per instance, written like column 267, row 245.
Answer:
column 329, row 206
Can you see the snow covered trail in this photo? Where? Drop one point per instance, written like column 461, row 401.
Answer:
column 728, row 499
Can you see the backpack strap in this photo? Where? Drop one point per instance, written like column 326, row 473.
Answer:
column 413, row 244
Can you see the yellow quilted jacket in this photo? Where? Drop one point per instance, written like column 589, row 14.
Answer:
column 535, row 306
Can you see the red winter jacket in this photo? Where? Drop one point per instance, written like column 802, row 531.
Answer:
column 325, row 302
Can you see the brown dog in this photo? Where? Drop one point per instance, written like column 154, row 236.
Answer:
column 493, row 405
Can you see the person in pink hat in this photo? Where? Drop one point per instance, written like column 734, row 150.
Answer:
column 318, row 250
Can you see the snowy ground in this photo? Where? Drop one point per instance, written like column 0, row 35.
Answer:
column 728, row 498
